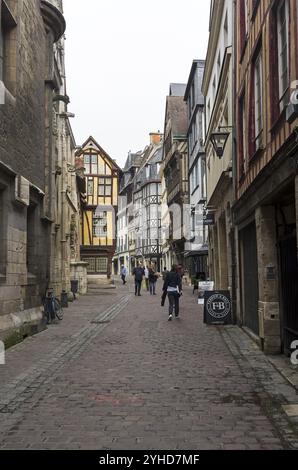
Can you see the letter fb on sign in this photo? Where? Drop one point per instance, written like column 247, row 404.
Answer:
column 218, row 308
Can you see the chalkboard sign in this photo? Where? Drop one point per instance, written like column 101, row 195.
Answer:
column 217, row 308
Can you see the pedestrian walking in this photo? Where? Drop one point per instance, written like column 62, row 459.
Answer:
column 164, row 273
column 152, row 281
column 180, row 270
column 173, row 287
column 147, row 278
column 164, row 292
column 138, row 273
column 123, row 274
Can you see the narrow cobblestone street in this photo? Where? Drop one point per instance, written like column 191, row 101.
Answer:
column 115, row 374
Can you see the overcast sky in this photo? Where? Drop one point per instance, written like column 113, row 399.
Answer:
column 121, row 56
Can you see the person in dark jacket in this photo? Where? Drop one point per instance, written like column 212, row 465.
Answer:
column 138, row 273
column 164, row 293
column 173, row 287
column 152, row 281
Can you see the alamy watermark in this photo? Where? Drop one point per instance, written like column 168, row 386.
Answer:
column 2, row 353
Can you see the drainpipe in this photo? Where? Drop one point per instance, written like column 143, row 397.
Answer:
column 234, row 170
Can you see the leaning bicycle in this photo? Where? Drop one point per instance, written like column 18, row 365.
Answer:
column 52, row 307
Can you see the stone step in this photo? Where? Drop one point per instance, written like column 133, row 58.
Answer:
column 100, row 287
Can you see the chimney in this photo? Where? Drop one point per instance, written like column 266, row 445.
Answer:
column 155, row 138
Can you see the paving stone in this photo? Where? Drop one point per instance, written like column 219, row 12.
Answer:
column 139, row 382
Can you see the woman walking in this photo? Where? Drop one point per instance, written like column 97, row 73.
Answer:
column 152, row 281
column 173, row 287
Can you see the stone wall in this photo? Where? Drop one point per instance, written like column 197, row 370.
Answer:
column 24, row 123
column 22, row 116
column 78, row 271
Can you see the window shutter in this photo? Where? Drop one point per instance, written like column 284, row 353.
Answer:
column 273, row 64
column 242, row 26
column 240, row 140
column 251, row 121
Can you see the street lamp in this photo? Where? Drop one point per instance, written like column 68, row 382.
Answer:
column 219, row 140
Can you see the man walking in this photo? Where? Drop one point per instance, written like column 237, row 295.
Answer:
column 138, row 273
column 164, row 292
column 173, row 287
column 147, row 278
column 123, row 274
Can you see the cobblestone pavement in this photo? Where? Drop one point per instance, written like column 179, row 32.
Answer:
column 115, row 374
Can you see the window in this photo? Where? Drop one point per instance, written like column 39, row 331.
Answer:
column 7, row 44
column 100, row 227
column 226, row 31
column 105, row 187
column 193, row 222
column 218, row 65
column 153, row 189
column 3, row 231
column 192, row 95
column 90, row 187
column 214, row 88
column 208, row 112
column 94, row 169
column 102, row 265
column 283, row 51
column 242, row 136
column 90, row 164
column 243, row 18
column 203, row 178
column 190, row 141
column 258, row 101
column 31, row 239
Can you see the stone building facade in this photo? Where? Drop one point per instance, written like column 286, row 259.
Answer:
column 31, row 146
column 147, row 205
column 125, row 249
column 98, row 226
column 266, row 208
column 68, row 184
column 175, row 168
column 196, row 246
column 218, row 90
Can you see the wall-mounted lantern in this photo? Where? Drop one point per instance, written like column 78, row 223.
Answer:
column 219, row 140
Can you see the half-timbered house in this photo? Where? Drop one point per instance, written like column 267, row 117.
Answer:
column 99, row 215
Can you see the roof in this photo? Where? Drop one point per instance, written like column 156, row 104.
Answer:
column 177, row 89
column 96, row 146
column 177, row 112
column 133, row 160
column 198, row 67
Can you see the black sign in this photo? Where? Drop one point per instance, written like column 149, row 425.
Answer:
column 217, row 308
column 208, row 219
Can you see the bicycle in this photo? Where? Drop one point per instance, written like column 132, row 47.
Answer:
column 52, row 307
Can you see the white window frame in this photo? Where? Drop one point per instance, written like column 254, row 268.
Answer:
column 218, row 64
column 100, row 224
column 258, row 98
column 283, row 29
column 226, row 31
column 246, row 17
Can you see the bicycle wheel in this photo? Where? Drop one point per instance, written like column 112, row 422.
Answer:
column 58, row 309
column 47, row 309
